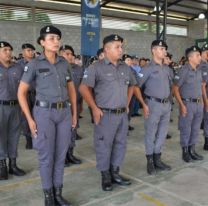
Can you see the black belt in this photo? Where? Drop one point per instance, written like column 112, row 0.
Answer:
column 114, row 111
column 196, row 100
column 57, row 105
column 165, row 100
column 9, row 102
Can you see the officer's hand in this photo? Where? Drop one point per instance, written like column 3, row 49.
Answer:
column 97, row 114
column 33, row 128
column 74, row 121
column 183, row 110
column 146, row 111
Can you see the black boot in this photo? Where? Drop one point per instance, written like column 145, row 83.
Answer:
column 185, row 155
column 3, row 170
column 72, row 159
column 28, row 142
column 59, row 200
column 193, row 154
column 13, row 169
column 118, row 179
column 159, row 164
column 106, row 181
column 168, row 136
column 206, row 143
column 49, row 197
column 150, row 165
column 130, row 128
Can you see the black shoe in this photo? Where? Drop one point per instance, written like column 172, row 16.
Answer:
column 206, row 143
column 171, row 120
column 159, row 164
column 150, row 165
column 185, row 155
column 106, row 181
column 29, row 144
column 131, row 128
column 3, row 170
column 118, row 179
column 80, row 117
column 13, row 169
column 59, row 200
column 49, row 197
column 67, row 163
column 168, row 136
column 193, row 154
column 78, row 137
column 71, row 158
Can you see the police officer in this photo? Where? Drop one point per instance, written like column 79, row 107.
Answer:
column 204, row 68
column 100, row 54
column 155, row 78
column 188, row 92
column 28, row 54
column 50, row 127
column 10, row 75
column 111, row 81
column 77, row 73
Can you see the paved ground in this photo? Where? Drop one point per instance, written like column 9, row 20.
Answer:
column 185, row 185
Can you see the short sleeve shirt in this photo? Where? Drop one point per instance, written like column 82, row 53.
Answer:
column 110, row 83
column 189, row 82
column 9, row 81
column 155, row 79
column 50, row 79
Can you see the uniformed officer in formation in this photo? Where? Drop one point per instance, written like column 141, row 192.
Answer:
column 51, row 122
column 77, row 73
column 204, row 68
column 112, row 82
column 28, row 52
column 155, row 78
column 10, row 124
column 188, row 92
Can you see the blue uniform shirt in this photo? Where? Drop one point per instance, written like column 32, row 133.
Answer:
column 110, row 83
column 9, row 81
column 50, row 79
column 189, row 82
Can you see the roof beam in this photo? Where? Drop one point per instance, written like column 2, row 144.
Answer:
column 106, row 2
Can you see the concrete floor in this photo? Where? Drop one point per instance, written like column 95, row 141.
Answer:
column 185, row 185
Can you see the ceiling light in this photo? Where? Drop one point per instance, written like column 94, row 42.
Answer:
column 201, row 16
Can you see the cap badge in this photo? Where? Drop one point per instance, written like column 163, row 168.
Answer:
column 160, row 43
column 116, row 38
column 2, row 44
column 48, row 29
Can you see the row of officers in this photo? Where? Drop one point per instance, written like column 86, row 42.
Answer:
column 42, row 88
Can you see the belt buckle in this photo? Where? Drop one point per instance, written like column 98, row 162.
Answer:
column 198, row 100
column 11, row 103
column 118, row 111
column 59, row 105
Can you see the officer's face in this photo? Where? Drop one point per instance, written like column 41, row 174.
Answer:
column 51, row 42
column 204, row 55
column 195, row 58
column 67, row 54
column 114, row 50
column 101, row 56
column 5, row 54
column 167, row 61
column 159, row 52
column 28, row 53
column 128, row 61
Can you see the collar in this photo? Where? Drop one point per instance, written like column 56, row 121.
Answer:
column 43, row 57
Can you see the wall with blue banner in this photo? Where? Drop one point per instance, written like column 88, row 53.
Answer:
column 90, row 31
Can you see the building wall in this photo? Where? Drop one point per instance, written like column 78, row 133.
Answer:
column 137, row 43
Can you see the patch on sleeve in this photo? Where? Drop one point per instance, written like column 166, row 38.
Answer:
column 68, row 78
column 140, row 75
column 204, row 73
column 176, row 77
column 85, row 74
column 26, row 68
